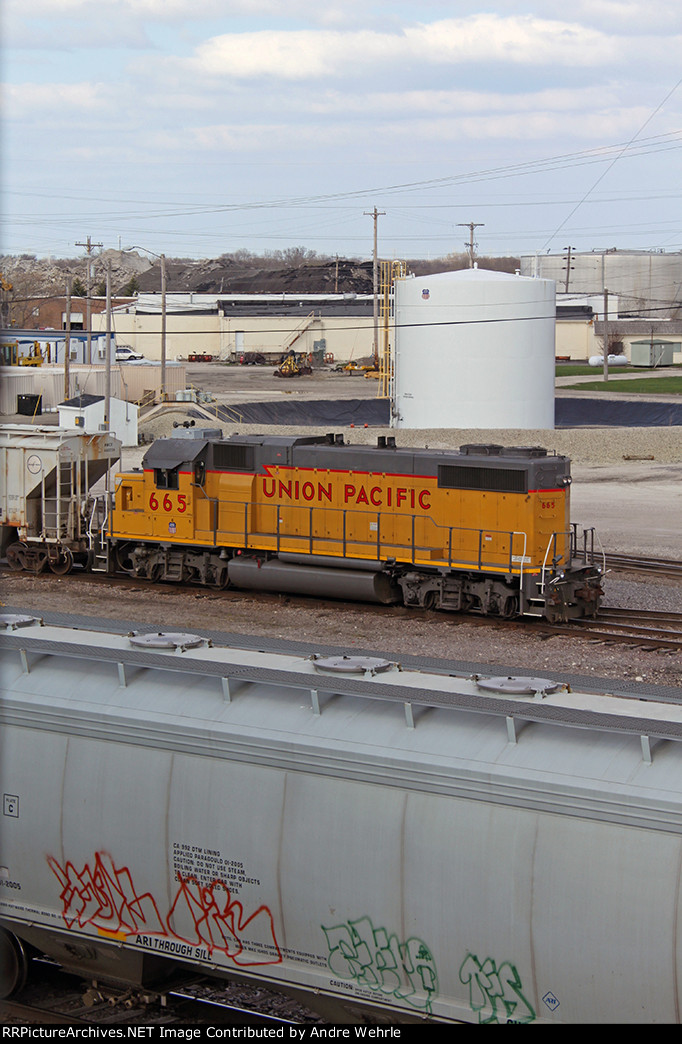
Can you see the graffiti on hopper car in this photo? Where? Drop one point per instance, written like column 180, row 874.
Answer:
column 377, row 960
column 103, row 896
column 495, row 991
column 220, row 922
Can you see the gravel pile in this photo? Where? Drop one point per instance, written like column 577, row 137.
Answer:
column 582, row 445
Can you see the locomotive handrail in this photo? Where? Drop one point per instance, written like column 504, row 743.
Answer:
column 544, row 563
column 593, row 532
column 602, row 550
column 552, row 541
column 572, row 535
column 442, row 548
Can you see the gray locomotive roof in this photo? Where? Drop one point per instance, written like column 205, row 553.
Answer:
column 581, row 754
column 324, row 452
column 171, row 453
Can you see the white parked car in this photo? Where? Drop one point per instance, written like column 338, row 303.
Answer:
column 124, row 353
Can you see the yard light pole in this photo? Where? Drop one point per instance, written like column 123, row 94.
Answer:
column 162, row 259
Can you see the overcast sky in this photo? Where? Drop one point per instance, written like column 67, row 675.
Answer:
column 197, row 127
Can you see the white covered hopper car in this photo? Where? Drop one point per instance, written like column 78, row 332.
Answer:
column 394, row 844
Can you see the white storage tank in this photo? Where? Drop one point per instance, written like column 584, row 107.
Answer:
column 474, row 349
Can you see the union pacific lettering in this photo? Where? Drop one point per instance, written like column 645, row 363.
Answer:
column 358, row 492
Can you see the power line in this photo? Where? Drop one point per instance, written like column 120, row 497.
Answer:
column 612, row 163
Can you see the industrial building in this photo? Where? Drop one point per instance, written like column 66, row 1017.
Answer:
column 228, row 326
column 340, row 326
column 648, row 284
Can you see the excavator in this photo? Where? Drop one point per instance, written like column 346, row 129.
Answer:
column 294, row 365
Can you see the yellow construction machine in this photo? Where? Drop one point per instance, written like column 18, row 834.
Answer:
column 293, row 365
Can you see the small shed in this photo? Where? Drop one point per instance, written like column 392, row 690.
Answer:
column 86, row 413
column 653, row 353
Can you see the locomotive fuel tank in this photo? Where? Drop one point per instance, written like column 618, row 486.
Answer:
column 403, row 844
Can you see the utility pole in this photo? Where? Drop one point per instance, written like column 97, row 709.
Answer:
column 107, row 341
column 606, row 335
column 67, row 342
column 88, row 244
column 163, row 327
column 569, row 266
column 375, row 284
column 471, row 225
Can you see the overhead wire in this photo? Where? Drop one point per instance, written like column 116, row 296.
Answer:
column 612, row 163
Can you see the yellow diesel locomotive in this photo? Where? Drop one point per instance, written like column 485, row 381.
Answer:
column 484, row 529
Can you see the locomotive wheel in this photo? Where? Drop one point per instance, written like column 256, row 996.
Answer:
column 430, row 600
column 155, row 573
column 510, row 607
column 123, row 560
column 63, row 564
column 14, row 963
column 221, row 581
column 14, row 553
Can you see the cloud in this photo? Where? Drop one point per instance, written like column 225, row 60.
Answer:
column 399, row 103
column 510, row 125
column 338, row 12
column 308, row 54
column 25, row 100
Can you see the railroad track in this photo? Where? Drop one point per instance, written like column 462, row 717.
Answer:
column 647, row 627
column 56, row 998
column 670, row 567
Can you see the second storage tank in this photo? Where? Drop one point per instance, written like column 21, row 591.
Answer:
column 474, row 349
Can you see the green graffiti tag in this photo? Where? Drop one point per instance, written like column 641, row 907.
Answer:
column 497, row 989
column 377, row 960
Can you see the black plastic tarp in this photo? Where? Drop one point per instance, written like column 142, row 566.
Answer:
column 569, row 413
column 617, row 413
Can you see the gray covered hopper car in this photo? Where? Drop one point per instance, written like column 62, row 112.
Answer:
column 393, row 844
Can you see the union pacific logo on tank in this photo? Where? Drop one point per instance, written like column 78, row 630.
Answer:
column 369, row 491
